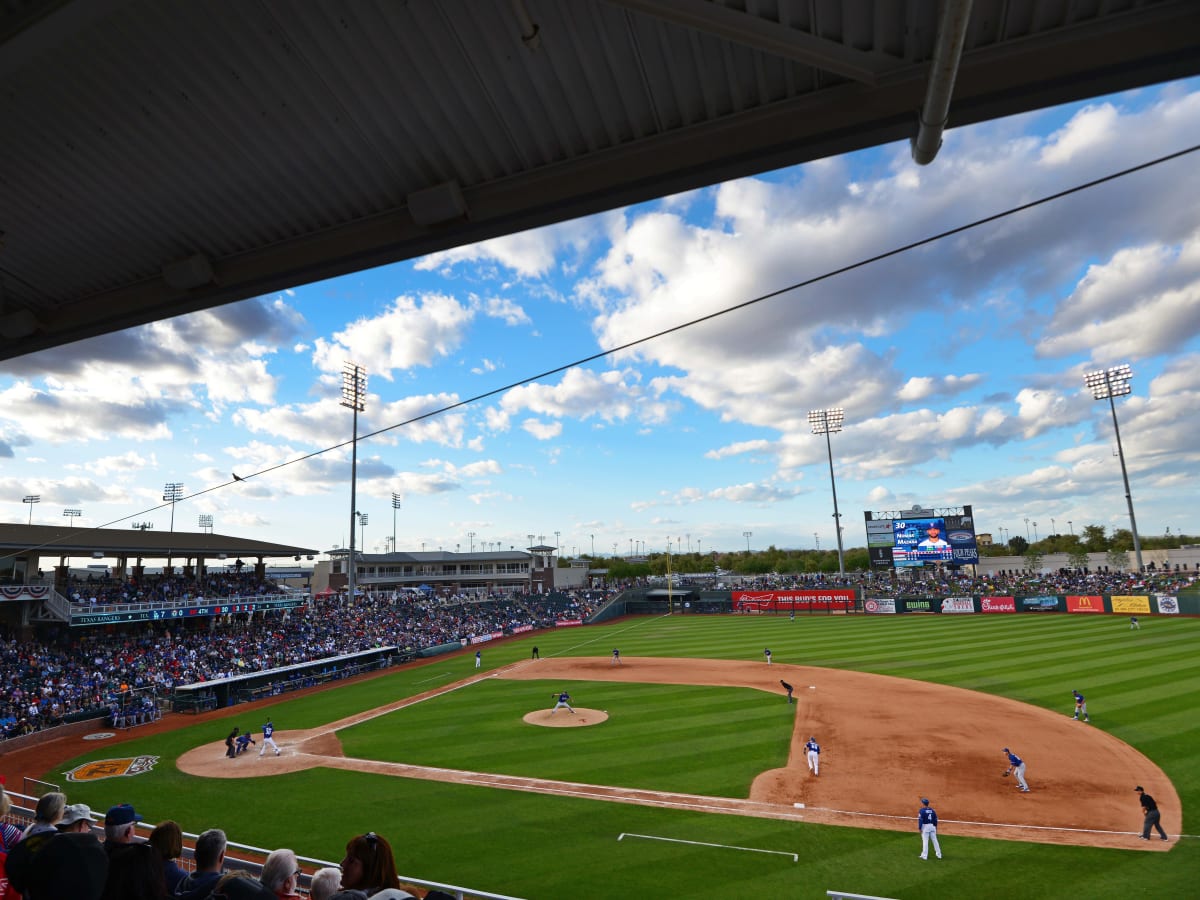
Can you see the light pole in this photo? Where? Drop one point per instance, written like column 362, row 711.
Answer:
column 1071, row 525
column 395, row 506
column 557, row 545
column 1027, row 528
column 354, row 392
column 31, row 499
column 593, row 537
column 205, row 522
column 1053, row 527
column 817, row 541
column 69, row 513
column 172, row 493
column 362, row 523
column 471, row 538
column 827, row 422
column 1105, row 385
column 747, row 535
column 1035, row 537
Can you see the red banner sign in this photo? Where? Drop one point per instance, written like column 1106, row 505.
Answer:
column 1086, row 603
column 786, row 601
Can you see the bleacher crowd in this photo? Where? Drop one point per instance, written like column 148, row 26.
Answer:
column 65, row 673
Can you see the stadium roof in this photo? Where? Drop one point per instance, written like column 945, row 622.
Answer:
column 51, row 540
column 165, row 156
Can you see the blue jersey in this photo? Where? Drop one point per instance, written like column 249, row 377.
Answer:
column 1078, row 696
column 926, row 816
column 268, row 730
column 1013, row 759
column 812, row 747
column 564, row 697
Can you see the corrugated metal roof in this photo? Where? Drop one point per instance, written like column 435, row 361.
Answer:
column 280, row 141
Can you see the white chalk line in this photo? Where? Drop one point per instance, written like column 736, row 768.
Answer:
column 851, row 812
column 651, row 837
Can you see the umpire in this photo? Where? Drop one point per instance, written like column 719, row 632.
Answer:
column 1152, row 815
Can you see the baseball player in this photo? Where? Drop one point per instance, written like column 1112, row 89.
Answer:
column 616, row 659
column 244, row 740
column 1080, row 707
column 564, row 700
column 813, row 752
column 927, row 825
column 1133, row 624
column 268, row 739
column 767, row 654
column 478, row 658
column 1016, row 766
column 787, row 687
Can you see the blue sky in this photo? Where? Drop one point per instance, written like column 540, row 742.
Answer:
column 959, row 365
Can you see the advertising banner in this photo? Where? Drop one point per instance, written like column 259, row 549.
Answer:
column 999, row 604
column 1039, row 604
column 880, row 606
column 917, row 606
column 958, row 605
column 1122, row 603
column 785, row 601
column 1086, row 603
column 1167, row 605
column 567, row 623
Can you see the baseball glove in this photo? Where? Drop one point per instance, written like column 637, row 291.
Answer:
column 1004, row 774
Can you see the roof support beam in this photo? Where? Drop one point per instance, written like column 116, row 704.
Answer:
column 947, row 53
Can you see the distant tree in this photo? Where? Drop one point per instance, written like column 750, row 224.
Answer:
column 1094, row 539
column 1078, row 558
column 1033, row 560
column 1017, row 545
column 1122, row 539
column 858, row 560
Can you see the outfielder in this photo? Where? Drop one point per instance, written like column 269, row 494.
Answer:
column 1080, row 707
column 1016, row 766
column 268, row 739
column 767, row 654
column 927, row 825
column 814, row 755
column 478, row 658
column 564, row 699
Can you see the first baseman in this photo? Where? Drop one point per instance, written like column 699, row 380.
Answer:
column 927, row 825
column 1016, row 766
column 814, row 755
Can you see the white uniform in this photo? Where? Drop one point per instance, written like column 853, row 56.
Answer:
column 268, row 739
column 814, row 755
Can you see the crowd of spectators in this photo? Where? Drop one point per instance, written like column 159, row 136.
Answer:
column 176, row 588
column 67, row 673
column 61, row 854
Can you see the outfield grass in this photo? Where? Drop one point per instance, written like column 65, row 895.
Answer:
column 1144, row 687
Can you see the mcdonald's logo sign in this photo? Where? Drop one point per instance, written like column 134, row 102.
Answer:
column 1086, row 603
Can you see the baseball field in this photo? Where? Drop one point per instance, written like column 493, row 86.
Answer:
column 686, row 778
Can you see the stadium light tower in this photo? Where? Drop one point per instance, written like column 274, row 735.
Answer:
column 69, row 513
column 172, row 493
column 395, row 506
column 1105, row 385
column 362, row 523
column 354, row 391
column 827, row 422
column 747, row 535
column 206, row 523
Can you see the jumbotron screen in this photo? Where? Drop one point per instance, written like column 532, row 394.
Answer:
column 920, row 537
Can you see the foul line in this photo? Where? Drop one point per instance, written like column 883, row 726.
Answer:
column 650, row 837
column 851, row 812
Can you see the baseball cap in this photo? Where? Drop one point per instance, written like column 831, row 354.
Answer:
column 76, row 812
column 1005, row 749
column 925, row 801
column 1139, row 788
column 122, row 814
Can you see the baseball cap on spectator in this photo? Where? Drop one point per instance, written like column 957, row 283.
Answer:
column 122, row 814
column 76, row 812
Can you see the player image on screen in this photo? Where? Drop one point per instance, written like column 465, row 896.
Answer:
column 933, row 539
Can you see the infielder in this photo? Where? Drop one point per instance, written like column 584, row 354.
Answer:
column 564, row 699
column 813, row 752
column 927, row 825
column 767, row 654
column 1080, row 707
column 616, row 660
column 1016, row 766
column 268, row 739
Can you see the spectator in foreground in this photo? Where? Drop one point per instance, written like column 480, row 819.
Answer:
column 369, row 865
column 120, row 823
column 9, row 833
column 58, row 866
column 281, row 874
column 325, row 883
column 240, row 885
column 167, row 839
column 135, row 872
column 49, row 811
column 76, row 818
column 210, row 863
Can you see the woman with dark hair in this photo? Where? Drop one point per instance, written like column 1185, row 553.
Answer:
column 167, row 839
column 369, row 865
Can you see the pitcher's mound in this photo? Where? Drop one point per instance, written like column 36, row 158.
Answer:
column 563, row 719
